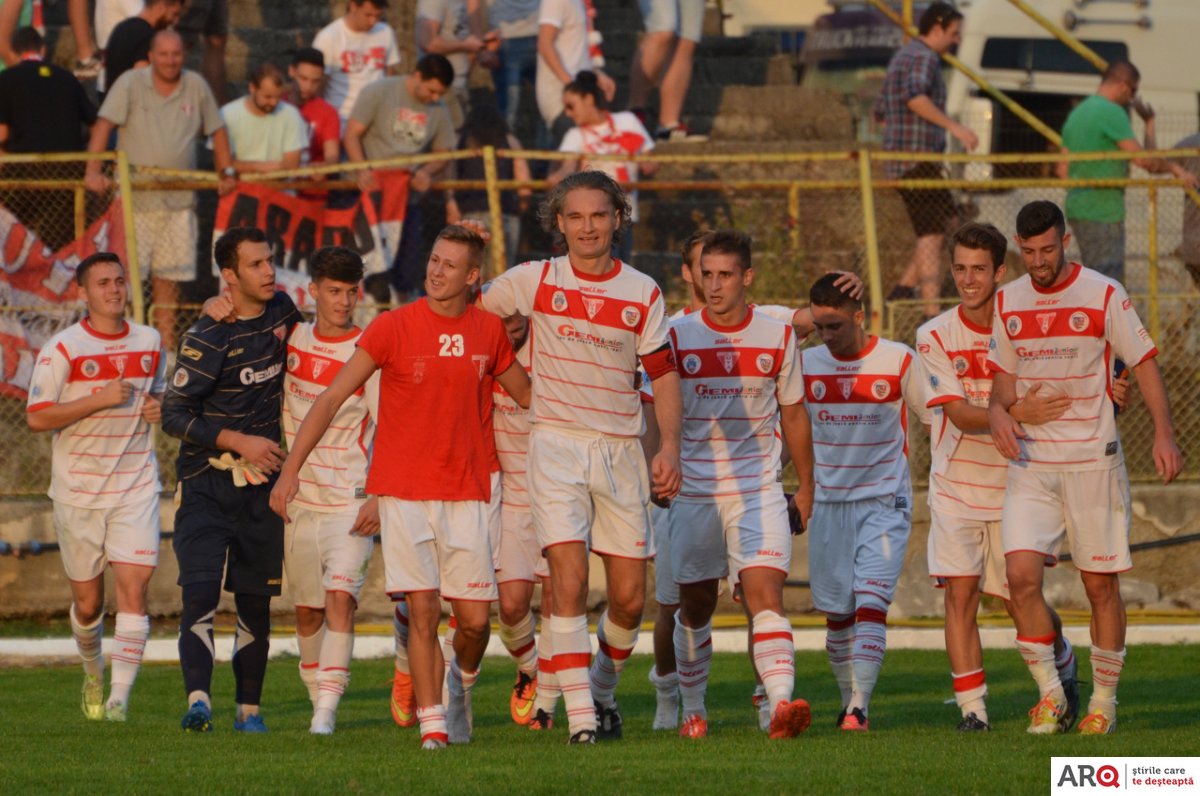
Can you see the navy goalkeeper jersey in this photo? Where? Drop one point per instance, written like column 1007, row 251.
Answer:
column 228, row 376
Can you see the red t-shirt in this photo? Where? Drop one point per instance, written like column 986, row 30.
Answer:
column 435, row 398
column 323, row 125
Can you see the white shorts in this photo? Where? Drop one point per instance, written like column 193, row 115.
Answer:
column 321, row 555
column 520, row 554
column 592, row 489
column 437, row 545
column 1090, row 508
column 666, row 590
column 713, row 539
column 166, row 244
column 684, row 18
column 856, row 548
column 90, row 538
column 495, row 524
column 965, row 548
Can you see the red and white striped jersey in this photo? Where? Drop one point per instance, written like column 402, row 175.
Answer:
column 586, row 335
column 860, row 420
column 107, row 458
column 776, row 311
column 734, row 379
column 334, row 476
column 967, row 474
column 510, row 422
column 1068, row 337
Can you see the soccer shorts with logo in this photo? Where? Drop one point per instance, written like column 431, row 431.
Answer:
column 589, row 488
column 855, row 548
column 438, row 545
column 666, row 590
column 520, row 554
column 712, row 539
column 320, row 555
column 89, row 538
column 964, row 548
column 1089, row 508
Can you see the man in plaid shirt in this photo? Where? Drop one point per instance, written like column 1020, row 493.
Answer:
column 912, row 110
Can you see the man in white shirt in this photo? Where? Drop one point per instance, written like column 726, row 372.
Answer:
column 264, row 133
column 359, row 49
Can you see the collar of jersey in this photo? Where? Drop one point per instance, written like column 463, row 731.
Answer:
column 872, row 341
column 586, row 277
column 94, row 332
column 716, row 327
column 1058, row 288
column 970, row 324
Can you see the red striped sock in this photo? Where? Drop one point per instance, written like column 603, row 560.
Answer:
column 839, row 636
column 1038, row 653
column 433, row 723
column 572, row 653
column 615, row 645
column 693, row 659
column 87, row 641
column 774, row 656
column 866, row 656
column 548, row 690
column 129, row 644
column 518, row 640
column 970, row 689
column 1106, row 673
column 336, row 652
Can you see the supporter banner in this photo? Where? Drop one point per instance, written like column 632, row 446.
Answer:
column 297, row 227
column 38, row 295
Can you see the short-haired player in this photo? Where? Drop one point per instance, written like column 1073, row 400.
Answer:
column 98, row 386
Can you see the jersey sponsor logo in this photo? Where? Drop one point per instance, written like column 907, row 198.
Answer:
column 768, row 553
column 181, row 377
column 593, row 306
column 847, row 386
column 89, row 368
column 741, row 391
column 568, row 332
column 818, row 390
column 559, row 301
column 293, row 361
column 481, row 363
column 1044, row 320
column 880, row 389
column 765, row 362
column 630, row 316
column 250, row 376
column 189, row 352
column 851, row 419
column 1049, row 352
column 1078, row 321
column 728, row 359
column 1013, row 324
column 691, row 364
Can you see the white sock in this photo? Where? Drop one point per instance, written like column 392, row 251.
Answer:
column 572, row 650
column 970, row 690
column 518, row 640
column 1039, row 657
column 310, row 660
column 693, row 659
column 87, row 640
column 433, row 723
column 548, row 690
column 870, row 643
column 615, row 644
column 336, row 652
column 1106, row 672
column 129, row 644
column 775, row 656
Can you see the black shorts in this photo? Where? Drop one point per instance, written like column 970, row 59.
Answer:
column 931, row 209
column 217, row 521
column 203, row 18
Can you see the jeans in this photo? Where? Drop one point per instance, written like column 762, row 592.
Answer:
column 1101, row 246
column 518, row 64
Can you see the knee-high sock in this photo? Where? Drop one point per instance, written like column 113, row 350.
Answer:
column 196, row 654
column 448, row 657
column 970, row 691
column 572, row 653
column 129, row 644
column 400, row 634
column 839, row 637
column 870, row 644
column 693, row 659
column 615, row 644
column 1106, row 672
column 548, row 690
column 251, row 646
column 1038, row 653
column 775, row 656
column 334, row 675
column 433, row 723
column 88, row 641
column 310, row 660
column 518, row 640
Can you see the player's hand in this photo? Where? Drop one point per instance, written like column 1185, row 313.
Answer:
column 366, row 180
column 849, row 283
column 1005, row 432
column 284, row 491
column 665, row 475
column 800, row 509
column 1037, row 407
column 606, row 85
column 263, row 453
column 219, row 308
column 97, row 182
column 151, row 409
column 367, row 521
column 115, row 393
column 478, row 227
column 1142, row 108
column 420, row 181
column 1120, row 390
column 1168, row 461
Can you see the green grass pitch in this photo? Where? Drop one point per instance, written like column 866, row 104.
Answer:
column 912, row 747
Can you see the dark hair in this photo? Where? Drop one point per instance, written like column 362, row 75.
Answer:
column 92, row 259
column 267, row 71
column 309, row 55
column 974, row 235
column 376, row 3
column 824, row 293
column 484, row 126
column 940, row 14
column 730, row 241
column 337, row 263
column 468, row 237
column 551, row 207
column 1121, row 72
column 27, row 40
column 700, row 236
column 435, row 67
column 587, row 84
column 225, row 250
column 1039, row 216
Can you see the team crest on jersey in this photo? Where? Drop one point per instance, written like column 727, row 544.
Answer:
column 147, row 363
column 593, row 306
column 765, row 362
column 181, row 377
column 728, row 359
column 559, row 301
column 691, row 364
column 280, row 332
column 981, row 359
column 1044, row 320
column 847, row 386
column 118, row 362
column 418, row 370
column 481, row 361
column 1078, row 321
column 293, row 361
column 1013, row 324
column 318, row 367
column 89, row 368
column 818, row 390
column 631, row 316
column 960, row 365
column 881, row 389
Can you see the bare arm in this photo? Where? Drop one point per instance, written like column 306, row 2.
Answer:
column 547, row 34
column 58, row 416
column 431, row 40
column 1156, row 165
column 352, row 140
column 797, row 435
column 1168, row 461
column 93, row 177
column 515, row 382
column 928, row 110
column 10, row 12
column 223, row 159
column 1005, row 430
column 665, row 476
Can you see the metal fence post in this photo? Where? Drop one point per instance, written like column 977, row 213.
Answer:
column 131, row 253
column 1152, row 264
column 871, row 241
column 499, row 260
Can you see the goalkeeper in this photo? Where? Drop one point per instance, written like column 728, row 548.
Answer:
column 223, row 402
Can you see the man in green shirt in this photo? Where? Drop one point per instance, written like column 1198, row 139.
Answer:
column 1101, row 124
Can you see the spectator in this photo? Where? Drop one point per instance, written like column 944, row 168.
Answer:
column 264, row 133
column 485, row 126
column 16, row 14
column 359, row 49
column 912, row 108
column 600, row 132
column 563, row 52
column 444, row 28
column 1190, row 249
column 517, row 21
column 158, row 114
column 87, row 58
column 129, row 44
column 404, row 116
column 208, row 19
column 109, row 14
column 664, row 59
column 323, row 128
column 1101, row 124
